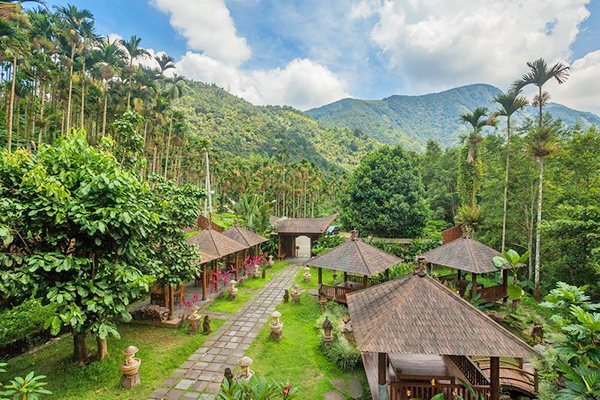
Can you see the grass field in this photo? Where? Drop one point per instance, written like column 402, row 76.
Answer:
column 161, row 351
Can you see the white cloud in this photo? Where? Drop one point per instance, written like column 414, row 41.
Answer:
column 208, row 27
column 439, row 44
column 302, row 83
column 582, row 90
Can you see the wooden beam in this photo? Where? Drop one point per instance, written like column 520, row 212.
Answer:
column 473, row 283
column 320, row 274
column 381, row 368
column 204, row 281
column 387, row 274
column 505, row 283
column 365, row 281
column 345, row 276
column 495, row 378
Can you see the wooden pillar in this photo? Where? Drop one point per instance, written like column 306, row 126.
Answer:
column 204, row 281
column 382, row 375
column 457, row 276
column 279, row 246
column 365, row 281
column 473, row 283
column 310, row 241
column 345, row 276
column 171, row 301
column 237, row 266
column 495, row 378
column 320, row 274
column 387, row 274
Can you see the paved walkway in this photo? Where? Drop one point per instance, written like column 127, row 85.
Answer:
column 200, row 376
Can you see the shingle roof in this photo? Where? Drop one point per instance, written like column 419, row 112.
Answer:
column 244, row 236
column 304, row 225
column 206, row 257
column 418, row 315
column 466, row 254
column 213, row 242
column 357, row 257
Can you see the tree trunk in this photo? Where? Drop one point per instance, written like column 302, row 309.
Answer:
column 79, row 349
column 541, row 115
column 168, row 145
column 70, row 89
column 104, row 113
column 506, row 182
column 81, row 125
column 129, row 84
column 11, row 105
column 41, row 131
column 538, row 229
column 102, row 349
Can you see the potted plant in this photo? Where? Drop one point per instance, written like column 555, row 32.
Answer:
column 514, row 291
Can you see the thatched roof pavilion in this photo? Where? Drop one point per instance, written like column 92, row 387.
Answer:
column 358, row 261
column 417, row 316
column 213, row 242
column 244, row 236
column 466, row 254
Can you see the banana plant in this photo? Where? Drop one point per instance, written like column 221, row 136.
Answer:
column 515, row 261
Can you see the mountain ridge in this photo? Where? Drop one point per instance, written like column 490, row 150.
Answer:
column 411, row 120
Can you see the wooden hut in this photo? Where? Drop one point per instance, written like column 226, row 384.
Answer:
column 463, row 253
column 358, row 261
column 289, row 229
column 219, row 247
column 246, row 237
column 418, row 337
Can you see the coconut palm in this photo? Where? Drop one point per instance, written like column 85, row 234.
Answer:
column 77, row 23
column 538, row 75
column 134, row 51
column 478, row 120
column 541, row 143
column 510, row 103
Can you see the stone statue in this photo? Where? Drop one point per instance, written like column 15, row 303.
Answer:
column 206, row 325
column 286, row 296
column 228, row 375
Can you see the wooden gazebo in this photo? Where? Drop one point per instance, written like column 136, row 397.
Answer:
column 358, row 261
column 291, row 228
column 464, row 253
column 418, row 337
column 246, row 237
column 217, row 246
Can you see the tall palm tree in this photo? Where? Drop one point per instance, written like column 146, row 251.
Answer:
column 165, row 62
column 538, row 75
column 478, row 120
column 75, row 22
column 134, row 51
column 89, row 39
column 542, row 142
column 510, row 103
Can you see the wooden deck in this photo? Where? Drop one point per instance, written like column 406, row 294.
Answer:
column 338, row 292
column 512, row 376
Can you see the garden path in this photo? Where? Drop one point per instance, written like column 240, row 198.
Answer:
column 200, row 376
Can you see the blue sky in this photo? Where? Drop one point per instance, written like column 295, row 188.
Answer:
column 307, row 53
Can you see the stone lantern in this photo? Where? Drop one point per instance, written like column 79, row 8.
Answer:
column 256, row 270
column 194, row 320
column 245, row 374
column 327, row 329
column 271, row 261
column 232, row 289
column 276, row 326
column 335, row 275
column 296, row 294
column 306, row 274
column 323, row 302
column 130, row 368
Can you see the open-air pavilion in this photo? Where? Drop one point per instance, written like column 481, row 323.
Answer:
column 246, row 237
column 290, row 229
column 358, row 261
column 219, row 247
column 418, row 338
column 463, row 253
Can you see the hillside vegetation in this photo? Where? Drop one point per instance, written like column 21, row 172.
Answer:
column 413, row 120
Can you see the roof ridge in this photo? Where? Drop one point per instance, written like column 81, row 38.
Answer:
column 396, row 303
column 362, row 256
column 242, row 235
column 214, row 241
column 505, row 332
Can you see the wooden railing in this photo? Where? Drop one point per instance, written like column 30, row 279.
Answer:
column 334, row 292
column 425, row 391
column 493, row 293
column 360, row 279
column 471, row 370
column 518, row 379
column 203, row 223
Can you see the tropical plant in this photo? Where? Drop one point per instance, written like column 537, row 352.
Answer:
column 28, row 388
column 542, row 142
column 134, row 51
column 256, row 388
column 470, row 217
column 538, row 75
column 254, row 212
column 515, row 262
column 509, row 103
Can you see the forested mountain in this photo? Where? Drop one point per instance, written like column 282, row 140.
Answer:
column 413, row 120
column 235, row 127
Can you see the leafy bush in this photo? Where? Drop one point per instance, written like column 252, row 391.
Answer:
column 28, row 388
column 327, row 242
column 24, row 321
column 256, row 388
column 343, row 354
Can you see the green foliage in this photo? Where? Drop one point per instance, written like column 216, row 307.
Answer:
column 28, row 388
column 24, row 321
column 256, row 389
column 515, row 261
column 469, row 177
column 343, row 354
column 385, row 196
column 254, row 212
column 327, row 242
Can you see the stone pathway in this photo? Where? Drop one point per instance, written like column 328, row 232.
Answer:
column 200, row 376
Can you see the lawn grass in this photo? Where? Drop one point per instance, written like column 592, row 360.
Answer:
column 161, row 350
column 314, row 278
column 245, row 290
column 298, row 358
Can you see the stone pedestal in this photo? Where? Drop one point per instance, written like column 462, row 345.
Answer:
column 276, row 327
column 296, row 294
column 245, row 374
column 194, row 321
column 306, row 274
column 323, row 302
column 130, row 381
column 271, row 261
column 232, row 289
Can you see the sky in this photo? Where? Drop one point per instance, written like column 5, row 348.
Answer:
column 307, row 53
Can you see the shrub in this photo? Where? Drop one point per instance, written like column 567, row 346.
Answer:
column 327, row 242
column 343, row 354
column 24, row 321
